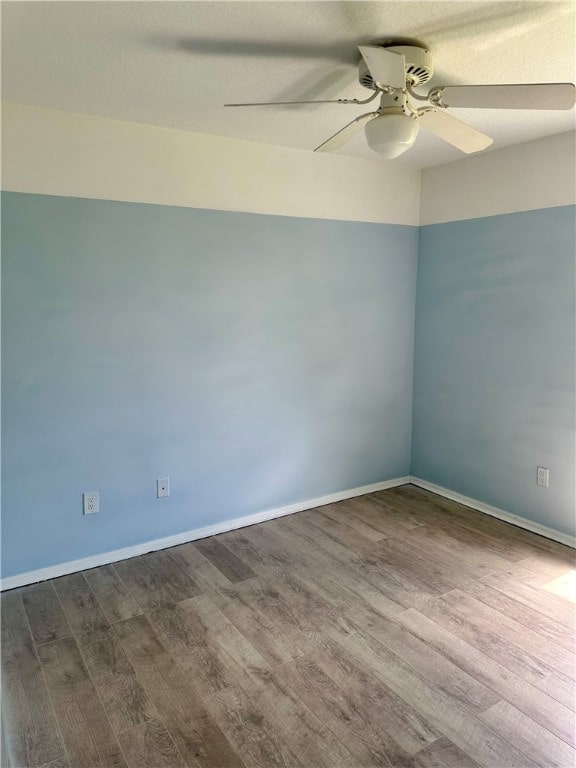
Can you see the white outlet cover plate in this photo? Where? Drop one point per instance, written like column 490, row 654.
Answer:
column 90, row 502
column 163, row 487
column 543, row 477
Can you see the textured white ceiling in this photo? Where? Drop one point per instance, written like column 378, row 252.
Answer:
column 175, row 64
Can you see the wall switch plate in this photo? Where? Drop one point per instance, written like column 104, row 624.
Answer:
column 163, row 487
column 543, row 477
column 91, row 502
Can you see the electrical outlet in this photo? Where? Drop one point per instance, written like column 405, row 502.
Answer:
column 91, row 502
column 163, row 487
column 543, row 477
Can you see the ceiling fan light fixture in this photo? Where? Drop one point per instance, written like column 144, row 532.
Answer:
column 390, row 135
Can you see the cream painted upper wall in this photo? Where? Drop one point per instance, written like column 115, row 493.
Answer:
column 524, row 177
column 58, row 153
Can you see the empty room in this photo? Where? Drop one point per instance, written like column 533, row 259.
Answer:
column 288, row 384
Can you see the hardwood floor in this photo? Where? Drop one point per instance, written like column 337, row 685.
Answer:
column 399, row 629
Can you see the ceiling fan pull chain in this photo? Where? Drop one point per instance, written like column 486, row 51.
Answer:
column 325, row 101
column 358, row 101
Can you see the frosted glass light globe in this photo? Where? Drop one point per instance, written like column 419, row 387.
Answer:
column 390, row 135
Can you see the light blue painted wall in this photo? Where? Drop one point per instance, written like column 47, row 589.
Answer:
column 256, row 360
column 494, row 388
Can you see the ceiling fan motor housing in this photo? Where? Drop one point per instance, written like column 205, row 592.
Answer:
column 418, row 65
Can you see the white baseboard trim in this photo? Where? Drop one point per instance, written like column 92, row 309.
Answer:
column 72, row 566
column 508, row 517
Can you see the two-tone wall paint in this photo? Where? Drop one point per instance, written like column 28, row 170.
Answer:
column 255, row 360
column 258, row 358
column 57, row 153
column 494, row 389
column 495, row 358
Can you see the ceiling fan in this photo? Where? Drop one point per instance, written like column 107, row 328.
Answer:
column 393, row 71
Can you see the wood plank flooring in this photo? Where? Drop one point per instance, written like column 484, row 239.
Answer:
column 399, row 629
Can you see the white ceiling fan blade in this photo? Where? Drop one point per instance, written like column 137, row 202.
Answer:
column 386, row 67
column 535, row 96
column 454, row 131
column 342, row 136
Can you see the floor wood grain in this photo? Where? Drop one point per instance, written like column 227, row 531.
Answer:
column 112, row 594
column 251, row 735
column 45, row 615
column 150, row 746
column 194, row 732
column 120, row 691
column 30, row 728
column 443, row 754
column 399, row 629
column 224, row 559
column 85, row 728
column 61, row 762
column 82, row 609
